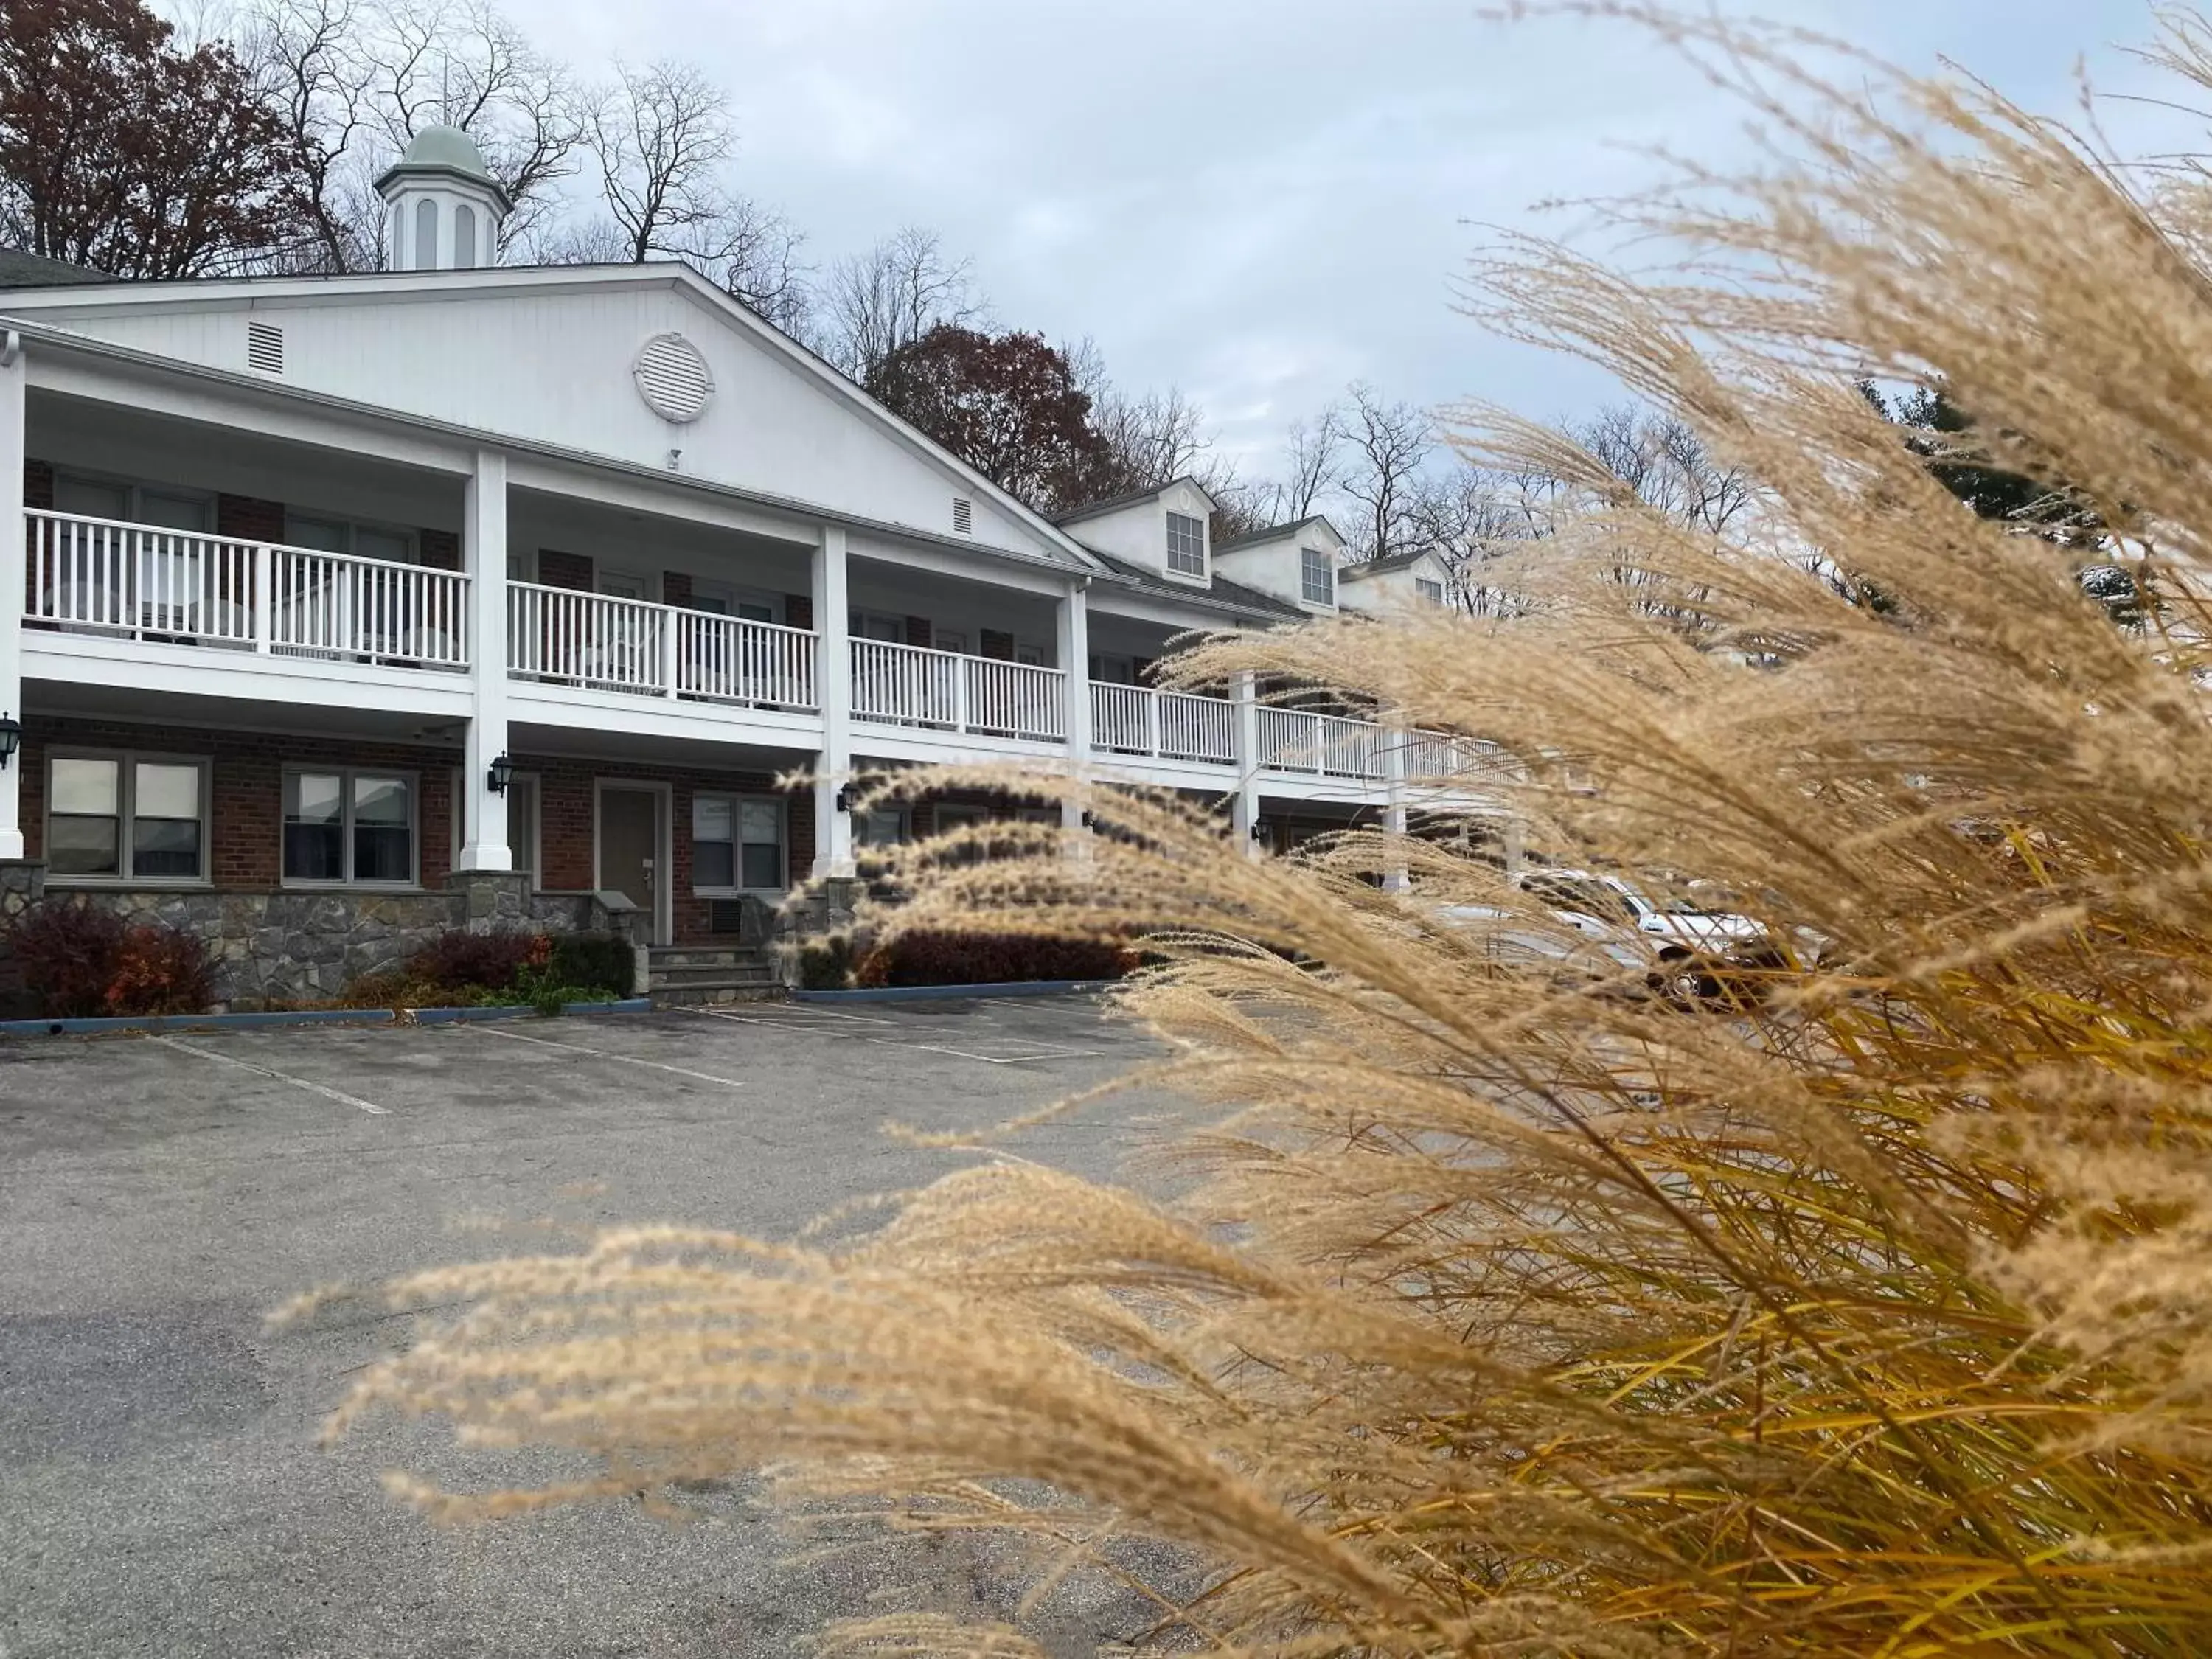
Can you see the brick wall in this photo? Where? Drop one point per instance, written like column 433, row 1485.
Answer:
column 917, row 630
column 247, row 790
column 568, row 801
column 676, row 587
column 798, row 609
column 249, row 519
column 247, row 801
column 441, row 548
column 39, row 484
column 569, row 570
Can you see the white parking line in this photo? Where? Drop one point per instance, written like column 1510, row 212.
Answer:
column 988, row 1059
column 600, row 1054
column 795, row 1019
column 322, row 1089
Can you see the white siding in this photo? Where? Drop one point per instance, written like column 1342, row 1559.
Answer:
column 554, row 368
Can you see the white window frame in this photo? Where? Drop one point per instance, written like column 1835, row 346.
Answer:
column 738, row 797
column 534, row 867
column 731, row 596
column 1313, row 561
column 1426, row 589
column 1029, row 654
column 126, row 790
column 1168, row 535
column 861, row 616
column 954, row 639
column 347, row 882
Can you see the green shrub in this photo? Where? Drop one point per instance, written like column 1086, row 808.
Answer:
column 826, row 964
column 598, row 963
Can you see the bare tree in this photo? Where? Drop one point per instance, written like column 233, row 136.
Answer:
column 1665, row 465
column 356, row 79
column 1313, row 456
column 663, row 135
column 876, row 302
column 1466, row 517
column 1387, row 442
column 1152, row 438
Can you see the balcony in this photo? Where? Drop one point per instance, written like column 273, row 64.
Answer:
column 1323, row 745
column 178, row 588
column 560, row 636
column 1135, row 720
column 946, row 691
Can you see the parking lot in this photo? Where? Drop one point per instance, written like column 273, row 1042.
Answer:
column 160, row 1489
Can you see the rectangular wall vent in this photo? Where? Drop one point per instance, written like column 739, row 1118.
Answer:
column 265, row 348
column 963, row 516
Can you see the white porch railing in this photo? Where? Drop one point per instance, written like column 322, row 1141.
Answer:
column 909, row 685
column 729, row 659
column 1136, row 720
column 333, row 604
column 143, row 582
column 566, row 636
column 1324, row 745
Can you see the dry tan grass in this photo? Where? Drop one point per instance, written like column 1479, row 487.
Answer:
column 1507, row 1318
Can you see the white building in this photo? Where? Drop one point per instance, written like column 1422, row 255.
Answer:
column 343, row 587
column 1377, row 587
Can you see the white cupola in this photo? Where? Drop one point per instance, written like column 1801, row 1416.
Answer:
column 444, row 206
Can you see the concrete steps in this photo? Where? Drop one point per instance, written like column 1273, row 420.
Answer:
column 708, row 973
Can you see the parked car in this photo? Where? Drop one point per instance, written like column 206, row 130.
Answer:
column 1685, row 953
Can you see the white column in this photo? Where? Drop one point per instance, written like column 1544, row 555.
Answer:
column 13, row 582
column 1395, row 879
column 1245, row 813
column 1073, row 650
column 833, row 830
column 484, row 555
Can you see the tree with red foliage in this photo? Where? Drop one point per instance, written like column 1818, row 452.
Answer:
column 119, row 152
column 1007, row 404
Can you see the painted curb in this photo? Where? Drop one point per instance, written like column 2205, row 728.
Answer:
column 523, row 1010
column 95, row 1026
column 1025, row 988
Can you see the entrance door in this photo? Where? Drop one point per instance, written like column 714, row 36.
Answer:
column 629, row 851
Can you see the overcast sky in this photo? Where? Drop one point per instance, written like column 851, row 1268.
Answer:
column 1257, row 200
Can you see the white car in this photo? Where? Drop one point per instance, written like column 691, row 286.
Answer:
column 1679, row 947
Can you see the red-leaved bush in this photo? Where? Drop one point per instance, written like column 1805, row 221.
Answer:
column 490, row 962
column 66, row 956
column 161, row 970
column 928, row 958
column 78, row 961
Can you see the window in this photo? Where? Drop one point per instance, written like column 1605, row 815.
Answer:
column 426, row 235
column 126, row 818
column 737, row 843
column 363, row 541
column 1316, row 576
column 1432, row 592
column 1185, row 545
column 872, row 625
column 166, row 569
column 344, row 827
column 464, row 239
column 952, row 639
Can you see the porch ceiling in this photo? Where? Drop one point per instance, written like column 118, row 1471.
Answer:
column 55, row 698
column 584, row 744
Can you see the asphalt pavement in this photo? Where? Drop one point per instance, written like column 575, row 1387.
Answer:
column 161, row 1491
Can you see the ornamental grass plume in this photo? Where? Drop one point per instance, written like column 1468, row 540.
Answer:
column 1865, row 1308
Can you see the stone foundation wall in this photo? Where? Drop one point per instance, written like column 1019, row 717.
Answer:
column 305, row 946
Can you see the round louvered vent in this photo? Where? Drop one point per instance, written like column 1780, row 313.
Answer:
column 673, row 378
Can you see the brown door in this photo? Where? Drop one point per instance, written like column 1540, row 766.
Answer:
column 629, row 851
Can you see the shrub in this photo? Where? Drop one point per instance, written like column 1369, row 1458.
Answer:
column 826, row 964
column 970, row 958
column 593, row 961
column 161, row 970
column 491, row 962
column 67, row 954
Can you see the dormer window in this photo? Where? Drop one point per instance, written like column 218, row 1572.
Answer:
column 1185, row 545
column 1316, row 576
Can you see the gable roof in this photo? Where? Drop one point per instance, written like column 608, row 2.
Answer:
column 243, row 292
column 1220, row 595
column 21, row 270
column 1277, row 532
column 1383, row 565
column 1115, row 503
